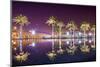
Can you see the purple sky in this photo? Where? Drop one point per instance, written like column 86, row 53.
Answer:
column 38, row 14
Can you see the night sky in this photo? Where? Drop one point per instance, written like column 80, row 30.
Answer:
column 38, row 14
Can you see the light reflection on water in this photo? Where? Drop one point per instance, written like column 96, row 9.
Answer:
column 40, row 50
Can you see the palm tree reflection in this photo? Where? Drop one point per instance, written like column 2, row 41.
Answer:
column 60, row 25
column 22, row 56
column 60, row 51
column 85, row 27
column 93, row 29
column 52, row 54
column 71, row 48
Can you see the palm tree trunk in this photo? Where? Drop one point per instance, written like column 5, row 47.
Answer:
column 73, row 38
column 20, row 38
column 94, row 37
column 84, row 37
column 60, row 38
column 52, row 37
column 59, row 43
column 60, row 32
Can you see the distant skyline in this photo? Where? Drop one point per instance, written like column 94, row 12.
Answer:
column 38, row 14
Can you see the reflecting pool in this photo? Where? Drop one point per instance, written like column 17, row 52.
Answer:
column 52, row 51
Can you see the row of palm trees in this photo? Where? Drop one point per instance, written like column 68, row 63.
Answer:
column 71, row 26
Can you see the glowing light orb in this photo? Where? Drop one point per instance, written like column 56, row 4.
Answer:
column 79, row 33
column 15, row 27
column 67, row 42
column 90, row 34
column 79, row 41
column 33, row 32
column 67, row 33
column 15, row 48
column 33, row 44
column 90, row 41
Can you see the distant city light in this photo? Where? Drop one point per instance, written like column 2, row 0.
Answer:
column 90, row 34
column 33, row 44
column 67, row 33
column 15, row 27
column 80, row 33
column 79, row 41
column 32, row 31
column 15, row 48
column 90, row 41
column 67, row 42
column 14, row 42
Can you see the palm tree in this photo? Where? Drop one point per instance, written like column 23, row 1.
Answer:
column 21, row 20
column 60, row 25
column 85, row 27
column 93, row 29
column 52, row 21
column 71, row 26
column 22, row 56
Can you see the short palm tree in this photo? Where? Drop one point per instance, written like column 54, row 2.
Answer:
column 85, row 27
column 93, row 29
column 71, row 26
column 21, row 20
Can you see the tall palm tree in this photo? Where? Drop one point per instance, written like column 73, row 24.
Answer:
column 52, row 21
column 21, row 20
column 60, row 25
column 85, row 27
column 71, row 26
column 93, row 29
